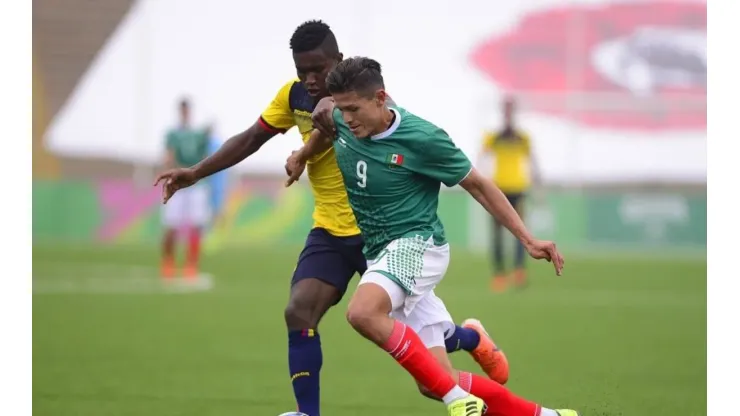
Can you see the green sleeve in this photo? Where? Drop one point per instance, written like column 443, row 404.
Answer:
column 205, row 143
column 441, row 160
column 337, row 114
column 170, row 141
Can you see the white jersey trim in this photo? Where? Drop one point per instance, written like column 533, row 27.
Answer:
column 463, row 178
column 391, row 129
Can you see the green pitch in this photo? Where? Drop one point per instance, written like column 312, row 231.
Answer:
column 625, row 336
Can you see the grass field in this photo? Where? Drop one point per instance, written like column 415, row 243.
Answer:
column 620, row 336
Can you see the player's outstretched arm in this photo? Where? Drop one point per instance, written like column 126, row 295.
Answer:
column 322, row 117
column 233, row 151
column 296, row 163
column 318, row 143
column 494, row 201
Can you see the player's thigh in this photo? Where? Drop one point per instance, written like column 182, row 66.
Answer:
column 415, row 263
column 396, row 294
column 309, row 300
column 324, row 269
column 173, row 212
column 413, row 272
column 199, row 206
column 428, row 273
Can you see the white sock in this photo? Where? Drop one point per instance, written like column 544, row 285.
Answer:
column 548, row 412
column 456, row 393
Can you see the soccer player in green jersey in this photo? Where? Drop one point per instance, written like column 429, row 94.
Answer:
column 393, row 163
column 333, row 251
column 190, row 209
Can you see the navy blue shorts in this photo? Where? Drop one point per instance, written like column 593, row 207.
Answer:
column 514, row 199
column 331, row 259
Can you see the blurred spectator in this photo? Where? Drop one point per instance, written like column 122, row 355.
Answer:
column 189, row 209
column 514, row 171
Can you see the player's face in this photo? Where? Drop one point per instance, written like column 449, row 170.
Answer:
column 313, row 67
column 364, row 115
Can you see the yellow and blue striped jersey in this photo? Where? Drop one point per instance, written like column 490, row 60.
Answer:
column 512, row 150
column 292, row 106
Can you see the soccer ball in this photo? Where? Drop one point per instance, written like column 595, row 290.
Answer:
column 293, row 414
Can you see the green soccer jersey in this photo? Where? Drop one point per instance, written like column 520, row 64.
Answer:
column 393, row 178
column 189, row 146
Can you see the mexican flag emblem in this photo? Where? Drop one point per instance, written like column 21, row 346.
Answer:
column 395, row 159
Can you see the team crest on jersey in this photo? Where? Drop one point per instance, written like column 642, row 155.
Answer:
column 394, row 159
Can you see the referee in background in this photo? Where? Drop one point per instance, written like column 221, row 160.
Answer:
column 515, row 171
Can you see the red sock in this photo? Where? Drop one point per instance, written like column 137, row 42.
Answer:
column 406, row 348
column 500, row 401
column 193, row 247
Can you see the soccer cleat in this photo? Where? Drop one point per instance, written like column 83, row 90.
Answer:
column 499, row 283
column 168, row 269
column 520, row 278
column 467, row 406
column 566, row 412
column 190, row 272
column 490, row 358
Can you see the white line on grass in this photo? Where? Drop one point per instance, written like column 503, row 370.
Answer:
column 104, row 278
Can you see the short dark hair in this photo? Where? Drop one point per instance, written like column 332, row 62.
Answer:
column 314, row 34
column 359, row 74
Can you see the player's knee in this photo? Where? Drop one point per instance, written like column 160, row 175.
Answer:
column 367, row 310
column 309, row 301
column 299, row 314
column 361, row 317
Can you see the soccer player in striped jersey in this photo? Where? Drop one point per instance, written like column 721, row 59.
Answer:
column 516, row 168
column 393, row 163
column 333, row 250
